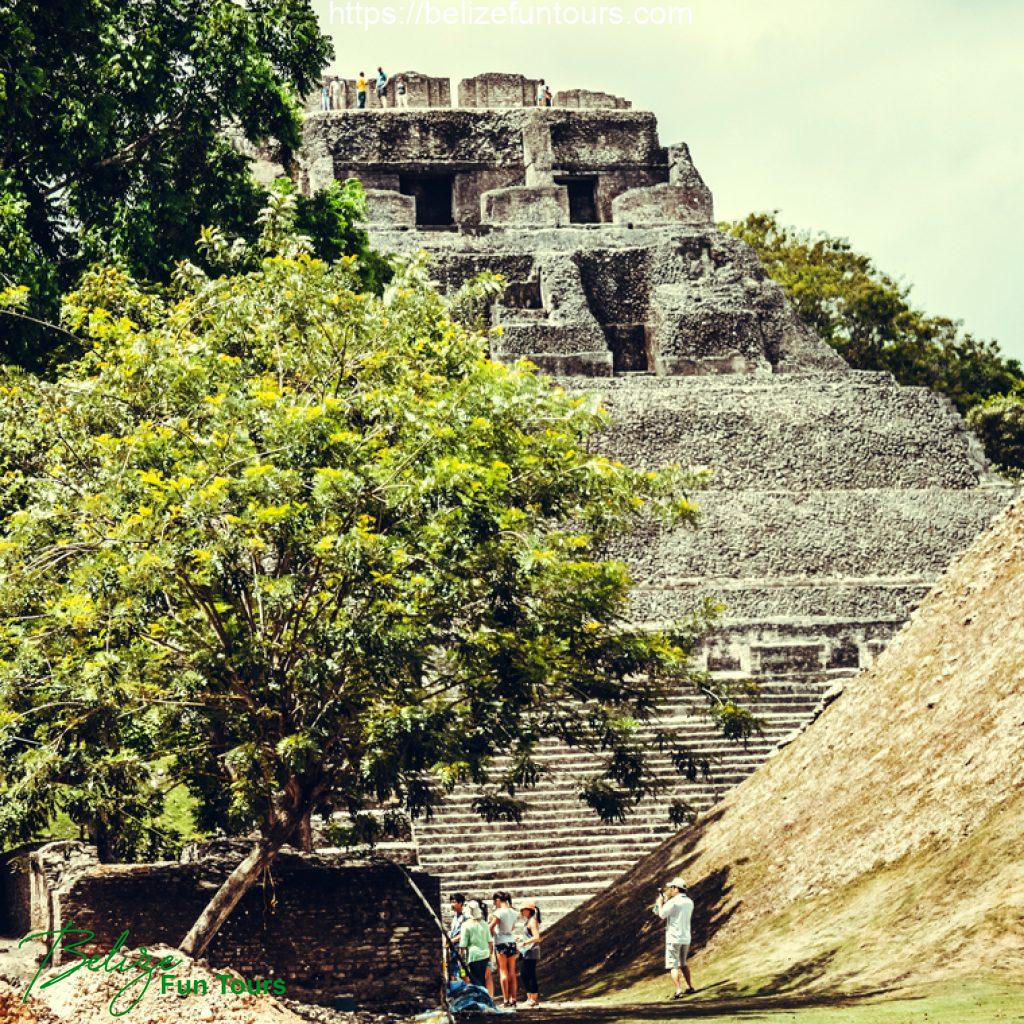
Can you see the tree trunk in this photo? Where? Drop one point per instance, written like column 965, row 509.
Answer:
column 304, row 833
column 100, row 836
column 236, row 885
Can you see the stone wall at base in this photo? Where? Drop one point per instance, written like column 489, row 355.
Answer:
column 334, row 931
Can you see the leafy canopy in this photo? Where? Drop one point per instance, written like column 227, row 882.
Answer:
column 298, row 546
column 113, row 133
column 999, row 422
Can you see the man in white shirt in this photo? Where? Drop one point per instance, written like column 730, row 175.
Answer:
column 675, row 908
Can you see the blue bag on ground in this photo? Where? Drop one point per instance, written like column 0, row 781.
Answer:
column 463, row 997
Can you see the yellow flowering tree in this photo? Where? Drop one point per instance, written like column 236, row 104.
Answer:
column 306, row 549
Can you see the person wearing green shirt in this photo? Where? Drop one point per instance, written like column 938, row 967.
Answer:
column 475, row 944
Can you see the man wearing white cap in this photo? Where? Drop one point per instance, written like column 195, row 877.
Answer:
column 675, row 908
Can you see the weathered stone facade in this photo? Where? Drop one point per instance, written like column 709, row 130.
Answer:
column 335, row 931
column 836, row 497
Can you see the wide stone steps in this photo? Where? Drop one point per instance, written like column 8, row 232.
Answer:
column 577, row 854
column 835, row 503
column 568, row 817
column 550, row 871
column 566, row 781
column 543, row 889
column 481, row 837
column 561, row 853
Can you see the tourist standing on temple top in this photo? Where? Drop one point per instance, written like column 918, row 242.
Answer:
column 336, row 91
column 675, row 908
column 529, row 951
column 548, row 96
column 502, row 924
column 401, row 91
column 458, row 902
column 361, row 87
column 541, row 90
column 476, row 945
column 382, row 87
column 325, row 95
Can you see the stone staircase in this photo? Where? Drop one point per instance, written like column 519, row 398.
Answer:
column 562, row 854
column 835, row 500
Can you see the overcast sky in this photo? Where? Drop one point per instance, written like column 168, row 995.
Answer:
column 895, row 123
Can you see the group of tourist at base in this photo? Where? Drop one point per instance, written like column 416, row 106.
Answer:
column 504, row 941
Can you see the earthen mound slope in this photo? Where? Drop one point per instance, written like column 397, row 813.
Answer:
column 881, row 849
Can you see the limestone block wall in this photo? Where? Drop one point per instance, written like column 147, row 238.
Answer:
column 33, row 879
column 498, row 90
column 415, row 140
column 331, row 930
column 660, row 204
column 696, row 330
column 815, row 534
column 420, row 90
column 589, row 99
column 525, row 206
column 485, row 149
column 388, row 207
column 594, row 139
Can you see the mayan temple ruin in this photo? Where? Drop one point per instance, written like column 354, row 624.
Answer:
column 837, row 496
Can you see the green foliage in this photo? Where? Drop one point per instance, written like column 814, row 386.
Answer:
column 999, row 422
column 867, row 316
column 293, row 545
column 113, row 121
column 332, row 219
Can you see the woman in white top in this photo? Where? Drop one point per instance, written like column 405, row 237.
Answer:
column 503, row 921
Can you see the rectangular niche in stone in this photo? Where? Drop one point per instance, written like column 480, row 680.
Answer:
column 582, row 198
column 433, row 195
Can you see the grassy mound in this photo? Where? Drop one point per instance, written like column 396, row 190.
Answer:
column 879, row 851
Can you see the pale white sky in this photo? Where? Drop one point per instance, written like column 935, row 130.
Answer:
column 896, row 123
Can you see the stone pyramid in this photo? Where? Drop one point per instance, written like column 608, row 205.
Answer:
column 837, row 497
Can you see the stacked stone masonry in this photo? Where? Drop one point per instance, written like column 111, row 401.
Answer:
column 835, row 499
column 335, row 932
column 487, row 91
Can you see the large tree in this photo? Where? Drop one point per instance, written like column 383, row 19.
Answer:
column 113, row 133
column 869, row 318
column 305, row 548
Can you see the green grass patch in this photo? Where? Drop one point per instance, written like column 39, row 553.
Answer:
column 973, row 1002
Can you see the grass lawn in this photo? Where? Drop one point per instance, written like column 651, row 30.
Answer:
column 969, row 1003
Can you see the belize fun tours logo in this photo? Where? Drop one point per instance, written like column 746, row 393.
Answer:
column 141, row 969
